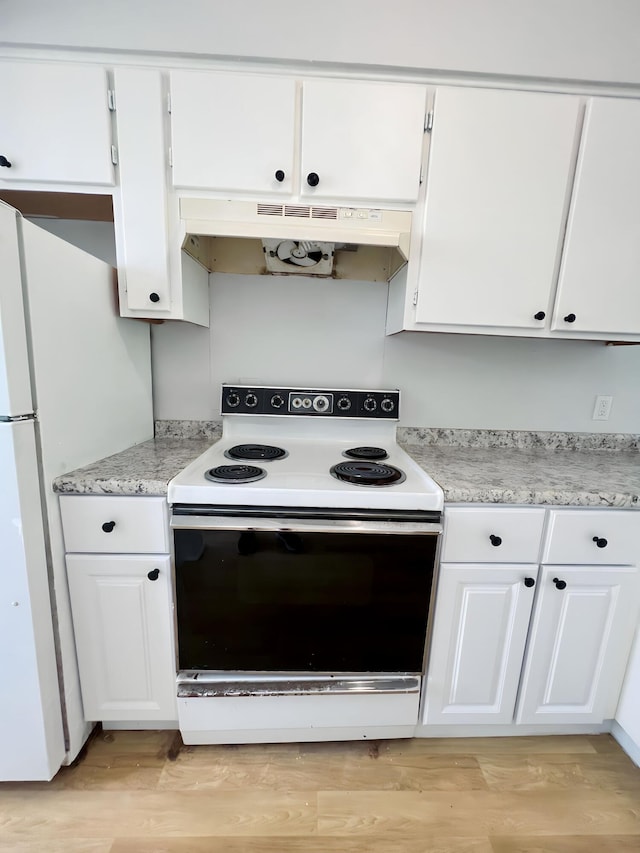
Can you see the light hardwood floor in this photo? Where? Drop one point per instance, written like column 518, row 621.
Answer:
column 143, row 792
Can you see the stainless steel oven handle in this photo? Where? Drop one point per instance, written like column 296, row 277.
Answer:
column 298, row 525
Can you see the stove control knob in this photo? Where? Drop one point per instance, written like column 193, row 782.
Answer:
column 321, row 403
column 387, row 405
column 370, row 404
column 277, row 401
column 233, row 399
column 344, row 404
column 251, row 401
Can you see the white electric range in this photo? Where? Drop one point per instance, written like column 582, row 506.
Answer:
column 305, row 544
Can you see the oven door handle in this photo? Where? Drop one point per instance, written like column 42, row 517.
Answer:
column 306, row 525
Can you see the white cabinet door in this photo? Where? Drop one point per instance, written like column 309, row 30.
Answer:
column 55, row 124
column 581, row 634
column 123, row 624
column 599, row 284
column 498, row 180
column 481, row 620
column 362, row 140
column 156, row 280
column 232, row 132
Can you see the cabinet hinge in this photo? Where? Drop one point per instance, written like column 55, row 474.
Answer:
column 111, row 99
column 415, row 296
column 429, row 125
column 171, row 157
column 168, row 102
column 114, row 155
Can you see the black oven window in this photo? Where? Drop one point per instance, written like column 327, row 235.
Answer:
column 299, row 602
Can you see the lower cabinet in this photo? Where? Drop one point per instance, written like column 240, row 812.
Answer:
column 526, row 642
column 581, row 633
column 123, row 630
column 478, row 640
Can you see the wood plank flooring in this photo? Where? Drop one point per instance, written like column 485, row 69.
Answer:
column 144, row 792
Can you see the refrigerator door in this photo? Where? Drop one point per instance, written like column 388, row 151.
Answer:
column 31, row 730
column 91, row 375
column 15, row 386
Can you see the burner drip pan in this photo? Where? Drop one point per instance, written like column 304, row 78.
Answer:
column 370, row 453
column 235, row 474
column 263, row 452
column 367, row 473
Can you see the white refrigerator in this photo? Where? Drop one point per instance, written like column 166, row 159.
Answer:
column 75, row 386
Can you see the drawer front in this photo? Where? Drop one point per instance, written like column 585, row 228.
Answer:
column 115, row 525
column 479, row 535
column 593, row 537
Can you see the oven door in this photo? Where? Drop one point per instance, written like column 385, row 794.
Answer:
column 302, row 596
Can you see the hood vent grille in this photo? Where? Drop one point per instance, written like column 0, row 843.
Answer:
column 269, row 210
column 298, row 211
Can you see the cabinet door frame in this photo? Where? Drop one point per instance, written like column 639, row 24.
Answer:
column 453, row 640
column 497, row 196
column 557, row 647
column 66, row 139
column 104, row 589
column 233, row 132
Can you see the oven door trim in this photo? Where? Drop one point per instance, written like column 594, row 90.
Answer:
column 302, row 525
column 195, row 684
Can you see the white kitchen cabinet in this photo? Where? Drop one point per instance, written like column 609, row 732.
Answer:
column 513, row 642
column 156, row 280
column 582, row 629
column 479, row 635
column 495, row 534
column 119, row 575
column 232, row 131
column 258, row 134
column 598, row 287
column 115, row 524
column 362, row 140
column 498, row 182
column 55, row 124
column 123, row 630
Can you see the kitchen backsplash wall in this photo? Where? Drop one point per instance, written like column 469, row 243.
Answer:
column 305, row 331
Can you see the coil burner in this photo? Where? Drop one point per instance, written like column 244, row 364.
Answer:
column 364, row 473
column 235, row 474
column 371, row 453
column 264, row 452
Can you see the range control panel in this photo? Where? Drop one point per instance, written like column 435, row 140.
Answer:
column 341, row 403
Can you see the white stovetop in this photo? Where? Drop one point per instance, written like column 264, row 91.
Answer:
column 303, row 478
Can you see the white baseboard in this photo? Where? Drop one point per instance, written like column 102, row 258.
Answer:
column 630, row 746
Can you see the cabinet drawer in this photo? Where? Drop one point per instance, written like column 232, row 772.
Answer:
column 509, row 535
column 115, row 524
column 600, row 537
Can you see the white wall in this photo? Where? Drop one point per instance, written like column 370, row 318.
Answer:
column 570, row 39
column 322, row 332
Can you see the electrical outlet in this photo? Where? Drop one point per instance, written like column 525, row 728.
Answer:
column 602, row 408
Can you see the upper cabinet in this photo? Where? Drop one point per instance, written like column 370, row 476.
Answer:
column 55, row 124
column 156, row 280
column 232, row 132
column 599, row 279
column 361, row 140
column 499, row 176
column 531, row 221
column 334, row 139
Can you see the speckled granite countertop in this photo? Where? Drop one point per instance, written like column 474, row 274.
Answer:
column 479, row 466
column 144, row 469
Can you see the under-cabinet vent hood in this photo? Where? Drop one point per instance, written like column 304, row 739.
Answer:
column 283, row 239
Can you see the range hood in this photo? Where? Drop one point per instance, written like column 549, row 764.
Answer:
column 283, row 239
